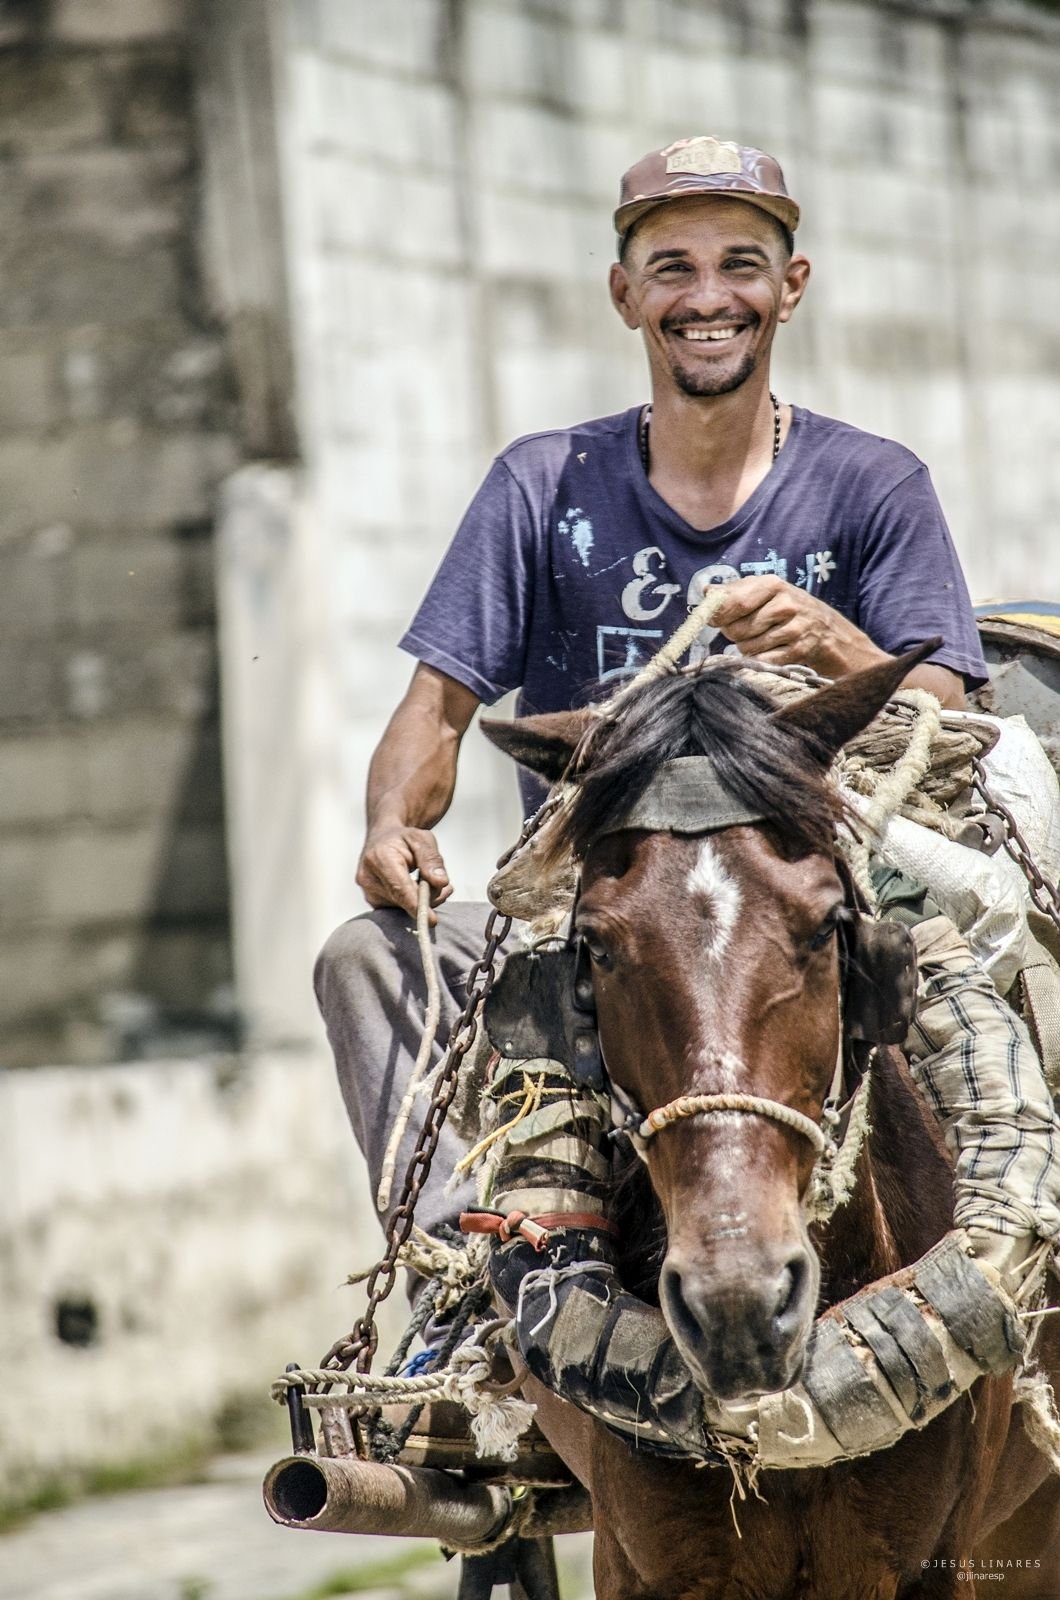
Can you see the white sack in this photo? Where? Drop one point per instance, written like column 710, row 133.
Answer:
column 986, row 896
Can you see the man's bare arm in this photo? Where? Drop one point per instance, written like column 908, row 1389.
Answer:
column 946, row 686
column 410, row 786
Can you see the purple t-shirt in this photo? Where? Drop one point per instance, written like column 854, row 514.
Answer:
column 569, row 570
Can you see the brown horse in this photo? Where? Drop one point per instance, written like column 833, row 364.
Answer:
column 715, row 970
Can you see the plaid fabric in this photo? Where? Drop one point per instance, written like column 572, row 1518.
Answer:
column 974, row 1061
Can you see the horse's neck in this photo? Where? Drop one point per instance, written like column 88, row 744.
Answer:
column 902, row 1200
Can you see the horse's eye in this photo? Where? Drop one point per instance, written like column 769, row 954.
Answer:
column 825, row 932
column 599, row 955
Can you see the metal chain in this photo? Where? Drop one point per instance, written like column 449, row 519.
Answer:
column 361, row 1342
column 1044, row 894
column 389, row 1439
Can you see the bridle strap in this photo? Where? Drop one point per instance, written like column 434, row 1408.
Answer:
column 692, row 1105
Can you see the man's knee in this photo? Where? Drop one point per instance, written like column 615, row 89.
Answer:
column 364, row 944
column 377, row 956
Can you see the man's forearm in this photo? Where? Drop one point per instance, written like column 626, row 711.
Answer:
column 410, row 785
column 851, row 650
column 946, row 686
column 413, row 772
column 768, row 618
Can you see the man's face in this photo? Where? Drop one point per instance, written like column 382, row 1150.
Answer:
column 706, row 280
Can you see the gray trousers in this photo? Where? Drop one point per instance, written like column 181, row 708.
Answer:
column 372, row 995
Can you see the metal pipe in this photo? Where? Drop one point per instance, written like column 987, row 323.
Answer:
column 346, row 1495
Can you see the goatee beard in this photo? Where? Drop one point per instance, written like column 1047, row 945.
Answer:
column 702, row 384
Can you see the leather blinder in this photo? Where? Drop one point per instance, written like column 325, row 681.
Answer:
column 541, row 1005
column 880, row 982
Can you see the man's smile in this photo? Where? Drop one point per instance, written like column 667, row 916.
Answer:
column 712, row 335
column 706, row 332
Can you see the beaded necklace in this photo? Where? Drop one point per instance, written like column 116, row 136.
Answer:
column 644, row 425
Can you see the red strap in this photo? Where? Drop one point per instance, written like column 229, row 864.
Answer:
column 535, row 1230
column 577, row 1219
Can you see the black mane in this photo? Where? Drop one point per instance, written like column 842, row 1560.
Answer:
column 706, row 711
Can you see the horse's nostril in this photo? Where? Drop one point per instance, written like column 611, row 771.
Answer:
column 682, row 1316
column 791, row 1286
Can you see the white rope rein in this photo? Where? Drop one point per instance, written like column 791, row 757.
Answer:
column 683, row 638
column 893, row 787
column 832, row 1179
column 423, row 1055
column 691, row 1105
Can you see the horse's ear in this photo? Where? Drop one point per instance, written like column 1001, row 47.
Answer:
column 836, row 714
column 544, row 743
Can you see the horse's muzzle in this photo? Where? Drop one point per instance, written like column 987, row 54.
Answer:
column 743, row 1333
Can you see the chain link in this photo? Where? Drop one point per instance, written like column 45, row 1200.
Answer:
column 360, row 1343
column 1044, row 894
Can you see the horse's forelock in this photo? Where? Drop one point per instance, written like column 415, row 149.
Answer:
column 710, row 712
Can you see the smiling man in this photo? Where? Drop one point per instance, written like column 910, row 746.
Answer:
column 585, row 547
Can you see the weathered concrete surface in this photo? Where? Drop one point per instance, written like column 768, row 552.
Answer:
column 174, row 1233
column 214, row 1541
column 118, row 417
column 433, row 182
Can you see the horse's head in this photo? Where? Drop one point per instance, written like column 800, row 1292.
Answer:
column 710, row 925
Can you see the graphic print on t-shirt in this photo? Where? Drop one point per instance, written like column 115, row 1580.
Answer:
column 577, row 527
column 648, row 593
column 645, row 597
column 708, row 578
column 622, row 651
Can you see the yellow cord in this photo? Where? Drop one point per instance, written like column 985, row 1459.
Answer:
column 531, row 1100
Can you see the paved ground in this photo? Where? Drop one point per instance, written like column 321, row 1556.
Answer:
column 213, row 1541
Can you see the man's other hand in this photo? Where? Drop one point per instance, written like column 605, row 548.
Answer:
column 390, row 857
column 775, row 622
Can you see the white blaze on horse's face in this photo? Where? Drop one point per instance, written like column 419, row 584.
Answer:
column 710, row 882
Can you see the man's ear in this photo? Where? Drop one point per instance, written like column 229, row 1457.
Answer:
column 545, row 743
column 620, row 287
column 796, row 277
column 836, row 714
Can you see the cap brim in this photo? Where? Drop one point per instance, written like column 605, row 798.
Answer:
column 780, row 206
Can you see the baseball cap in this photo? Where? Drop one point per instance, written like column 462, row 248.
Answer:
column 704, row 165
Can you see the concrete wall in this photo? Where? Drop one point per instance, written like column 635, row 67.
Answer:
column 435, row 228
column 172, row 1230
column 118, row 417
column 450, row 169
column 174, row 1234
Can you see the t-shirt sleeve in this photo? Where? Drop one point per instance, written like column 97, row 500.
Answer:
column 911, row 585
column 474, row 620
